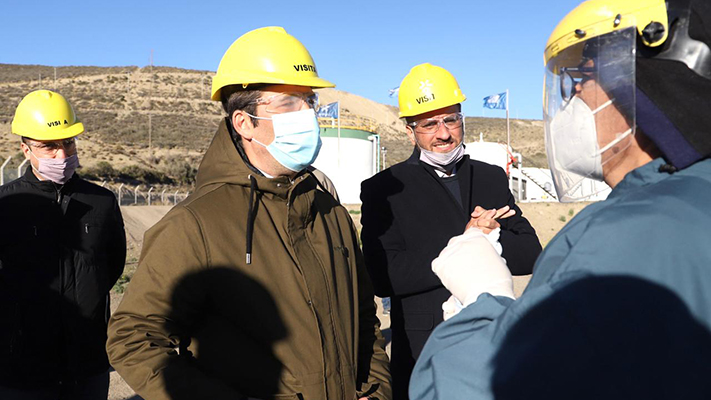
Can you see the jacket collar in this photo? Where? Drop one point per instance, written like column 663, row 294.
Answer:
column 226, row 163
column 647, row 174
column 47, row 185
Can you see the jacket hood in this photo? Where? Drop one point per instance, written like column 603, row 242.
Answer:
column 224, row 163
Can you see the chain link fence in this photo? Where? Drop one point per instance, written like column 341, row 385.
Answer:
column 145, row 195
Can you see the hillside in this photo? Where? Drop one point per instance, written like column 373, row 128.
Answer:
column 120, row 106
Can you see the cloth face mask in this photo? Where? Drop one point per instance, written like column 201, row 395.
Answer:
column 57, row 170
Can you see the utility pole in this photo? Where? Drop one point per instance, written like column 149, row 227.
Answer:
column 150, row 147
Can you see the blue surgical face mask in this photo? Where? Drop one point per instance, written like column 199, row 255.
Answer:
column 297, row 139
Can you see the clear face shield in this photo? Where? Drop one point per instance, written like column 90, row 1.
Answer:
column 589, row 111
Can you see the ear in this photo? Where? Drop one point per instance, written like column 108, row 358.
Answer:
column 25, row 150
column 411, row 135
column 243, row 124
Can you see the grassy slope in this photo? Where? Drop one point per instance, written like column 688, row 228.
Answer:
column 115, row 103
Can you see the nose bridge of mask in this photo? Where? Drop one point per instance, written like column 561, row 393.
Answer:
column 293, row 122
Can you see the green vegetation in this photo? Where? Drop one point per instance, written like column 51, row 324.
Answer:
column 121, row 284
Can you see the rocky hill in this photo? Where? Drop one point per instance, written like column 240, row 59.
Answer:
column 154, row 123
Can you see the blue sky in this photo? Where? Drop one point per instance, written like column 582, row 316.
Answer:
column 365, row 47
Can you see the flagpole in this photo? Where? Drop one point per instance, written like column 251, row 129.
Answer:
column 339, row 134
column 508, row 138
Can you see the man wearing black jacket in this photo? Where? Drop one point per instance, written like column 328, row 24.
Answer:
column 62, row 248
column 411, row 210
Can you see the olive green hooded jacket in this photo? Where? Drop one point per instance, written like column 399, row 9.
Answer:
column 198, row 321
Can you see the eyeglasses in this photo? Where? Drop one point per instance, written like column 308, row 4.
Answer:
column 51, row 148
column 431, row 125
column 573, row 76
column 288, row 102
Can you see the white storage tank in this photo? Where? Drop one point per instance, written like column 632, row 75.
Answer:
column 348, row 159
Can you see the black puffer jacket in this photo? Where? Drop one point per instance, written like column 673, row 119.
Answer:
column 62, row 248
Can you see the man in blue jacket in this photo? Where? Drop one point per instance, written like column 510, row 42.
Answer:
column 619, row 305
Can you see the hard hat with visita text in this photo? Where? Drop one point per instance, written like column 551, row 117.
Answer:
column 426, row 88
column 45, row 115
column 266, row 56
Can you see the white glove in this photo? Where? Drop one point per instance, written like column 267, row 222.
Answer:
column 493, row 238
column 470, row 266
column 451, row 307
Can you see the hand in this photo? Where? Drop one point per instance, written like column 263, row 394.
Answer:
column 469, row 266
column 451, row 307
column 486, row 220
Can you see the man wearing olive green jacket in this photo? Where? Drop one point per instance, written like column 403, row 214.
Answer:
column 254, row 287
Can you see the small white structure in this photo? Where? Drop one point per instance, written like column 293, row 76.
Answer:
column 348, row 159
column 529, row 184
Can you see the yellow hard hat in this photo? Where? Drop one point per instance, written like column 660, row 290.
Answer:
column 45, row 115
column 266, row 55
column 593, row 18
column 426, row 88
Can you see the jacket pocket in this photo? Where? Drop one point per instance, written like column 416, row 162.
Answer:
column 418, row 322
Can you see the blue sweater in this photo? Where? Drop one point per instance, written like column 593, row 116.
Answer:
column 619, row 306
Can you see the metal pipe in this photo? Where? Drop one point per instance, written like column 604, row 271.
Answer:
column 135, row 195
column 2, row 170
column 103, row 183
column 19, row 169
column 518, row 157
column 175, row 198
column 119, row 193
column 162, row 196
column 149, row 195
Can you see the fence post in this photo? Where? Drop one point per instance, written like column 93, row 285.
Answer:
column 119, row 193
column 149, row 195
column 135, row 195
column 103, row 184
column 175, row 198
column 19, row 169
column 2, row 170
column 162, row 196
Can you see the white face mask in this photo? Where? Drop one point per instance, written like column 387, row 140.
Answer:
column 575, row 136
column 442, row 161
column 296, row 139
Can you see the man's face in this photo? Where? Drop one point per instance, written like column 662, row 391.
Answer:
column 48, row 149
column 443, row 139
column 274, row 99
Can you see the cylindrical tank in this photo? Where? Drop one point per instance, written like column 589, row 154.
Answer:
column 347, row 159
column 488, row 152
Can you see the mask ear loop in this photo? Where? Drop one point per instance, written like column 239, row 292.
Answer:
column 36, row 158
column 619, row 138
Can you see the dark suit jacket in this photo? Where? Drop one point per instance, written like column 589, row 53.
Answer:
column 408, row 217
